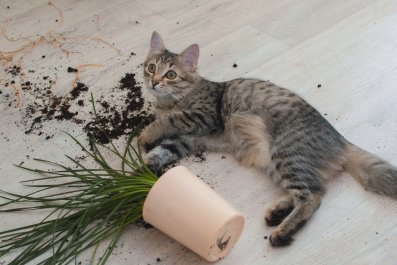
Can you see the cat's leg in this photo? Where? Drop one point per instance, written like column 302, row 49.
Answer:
column 279, row 209
column 304, row 185
column 169, row 151
column 305, row 204
column 250, row 140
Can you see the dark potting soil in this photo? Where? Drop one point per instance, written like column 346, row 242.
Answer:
column 112, row 123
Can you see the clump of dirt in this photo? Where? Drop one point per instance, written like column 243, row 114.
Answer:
column 78, row 89
column 14, row 70
column 234, row 65
column 65, row 114
column 111, row 123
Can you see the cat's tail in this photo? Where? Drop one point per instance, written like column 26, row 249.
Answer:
column 372, row 172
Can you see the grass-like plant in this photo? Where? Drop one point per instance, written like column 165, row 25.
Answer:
column 86, row 207
column 90, row 206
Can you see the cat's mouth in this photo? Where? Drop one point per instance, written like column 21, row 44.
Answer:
column 157, row 91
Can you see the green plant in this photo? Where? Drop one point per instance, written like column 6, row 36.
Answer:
column 87, row 206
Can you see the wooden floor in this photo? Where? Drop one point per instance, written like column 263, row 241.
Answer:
column 339, row 55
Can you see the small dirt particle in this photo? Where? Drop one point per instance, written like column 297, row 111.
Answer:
column 80, row 102
column 265, row 237
column 158, row 259
column 319, row 85
column 72, row 70
column 234, row 65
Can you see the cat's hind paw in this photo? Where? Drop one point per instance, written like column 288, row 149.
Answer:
column 274, row 217
column 278, row 240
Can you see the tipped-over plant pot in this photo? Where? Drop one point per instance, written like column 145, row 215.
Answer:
column 189, row 211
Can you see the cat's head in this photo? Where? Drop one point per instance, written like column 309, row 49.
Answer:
column 170, row 75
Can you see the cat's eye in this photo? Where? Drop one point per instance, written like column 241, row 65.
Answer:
column 170, row 74
column 151, row 68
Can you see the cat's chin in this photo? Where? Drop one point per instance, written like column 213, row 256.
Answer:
column 156, row 93
column 161, row 96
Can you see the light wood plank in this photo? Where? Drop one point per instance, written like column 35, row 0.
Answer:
column 297, row 21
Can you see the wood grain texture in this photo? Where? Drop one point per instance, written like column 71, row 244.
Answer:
column 349, row 47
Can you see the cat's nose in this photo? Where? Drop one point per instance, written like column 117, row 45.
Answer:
column 154, row 83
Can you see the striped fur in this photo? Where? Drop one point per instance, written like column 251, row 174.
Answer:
column 265, row 126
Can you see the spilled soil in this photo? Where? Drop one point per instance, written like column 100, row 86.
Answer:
column 111, row 123
column 119, row 113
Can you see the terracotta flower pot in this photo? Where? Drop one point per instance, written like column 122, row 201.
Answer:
column 189, row 211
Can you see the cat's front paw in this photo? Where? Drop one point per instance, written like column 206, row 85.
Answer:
column 147, row 140
column 153, row 163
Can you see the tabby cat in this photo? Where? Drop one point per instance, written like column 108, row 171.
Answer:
column 263, row 125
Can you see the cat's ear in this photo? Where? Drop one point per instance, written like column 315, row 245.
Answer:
column 156, row 44
column 189, row 57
